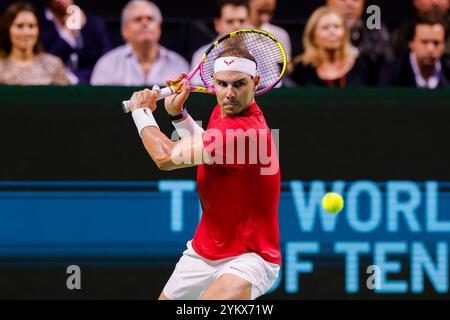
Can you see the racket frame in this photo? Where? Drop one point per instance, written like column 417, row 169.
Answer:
column 208, row 89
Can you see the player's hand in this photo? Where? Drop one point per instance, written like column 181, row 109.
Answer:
column 143, row 99
column 174, row 103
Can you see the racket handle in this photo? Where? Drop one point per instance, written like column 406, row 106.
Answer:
column 162, row 93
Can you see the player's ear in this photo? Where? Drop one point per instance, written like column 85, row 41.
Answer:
column 256, row 80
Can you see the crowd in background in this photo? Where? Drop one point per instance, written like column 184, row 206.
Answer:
column 41, row 47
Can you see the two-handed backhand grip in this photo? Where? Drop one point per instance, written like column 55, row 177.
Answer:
column 163, row 93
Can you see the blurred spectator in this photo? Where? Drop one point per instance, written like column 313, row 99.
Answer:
column 78, row 46
column 423, row 66
column 231, row 16
column 423, row 7
column 22, row 59
column 261, row 13
column 374, row 44
column 329, row 58
column 142, row 61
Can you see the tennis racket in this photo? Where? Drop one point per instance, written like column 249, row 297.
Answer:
column 264, row 47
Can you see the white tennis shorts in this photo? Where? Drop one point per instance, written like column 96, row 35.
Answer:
column 193, row 274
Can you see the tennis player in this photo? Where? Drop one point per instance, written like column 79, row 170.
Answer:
column 235, row 251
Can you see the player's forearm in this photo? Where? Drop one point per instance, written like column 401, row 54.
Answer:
column 187, row 127
column 169, row 155
column 159, row 147
column 166, row 154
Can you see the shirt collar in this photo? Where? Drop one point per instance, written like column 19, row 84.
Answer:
column 433, row 82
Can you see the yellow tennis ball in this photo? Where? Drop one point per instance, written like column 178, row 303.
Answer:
column 332, row 202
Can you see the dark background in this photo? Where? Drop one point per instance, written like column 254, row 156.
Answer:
column 80, row 133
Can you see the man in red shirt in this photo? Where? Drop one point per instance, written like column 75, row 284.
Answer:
column 235, row 251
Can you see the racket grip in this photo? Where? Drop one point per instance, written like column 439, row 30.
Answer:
column 163, row 93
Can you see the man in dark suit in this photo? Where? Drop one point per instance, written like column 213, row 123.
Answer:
column 78, row 38
column 423, row 66
column 399, row 36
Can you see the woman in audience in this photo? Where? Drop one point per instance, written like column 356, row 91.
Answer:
column 329, row 58
column 22, row 60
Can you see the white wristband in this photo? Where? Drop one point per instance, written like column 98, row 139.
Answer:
column 187, row 127
column 143, row 117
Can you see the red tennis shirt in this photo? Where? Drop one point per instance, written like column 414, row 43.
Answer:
column 239, row 195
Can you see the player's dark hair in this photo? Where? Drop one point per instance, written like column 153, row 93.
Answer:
column 236, row 3
column 429, row 18
column 6, row 22
column 237, row 52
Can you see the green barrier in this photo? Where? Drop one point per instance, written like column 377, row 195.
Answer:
column 80, row 133
column 88, row 96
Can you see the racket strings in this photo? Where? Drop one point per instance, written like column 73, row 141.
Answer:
column 268, row 55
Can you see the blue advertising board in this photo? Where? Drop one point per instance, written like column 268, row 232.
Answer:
column 391, row 225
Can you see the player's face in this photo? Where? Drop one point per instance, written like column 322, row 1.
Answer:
column 234, row 90
column 352, row 10
column 424, row 6
column 232, row 18
column 142, row 26
column 261, row 11
column 24, row 31
column 330, row 32
column 428, row 44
